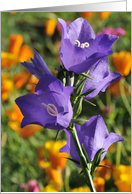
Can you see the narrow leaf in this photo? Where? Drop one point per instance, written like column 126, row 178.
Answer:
column 75, row 161
column 85, row 75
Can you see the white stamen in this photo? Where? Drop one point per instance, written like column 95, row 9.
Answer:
column 83, row 45
column 51, row 111
column 77, row 42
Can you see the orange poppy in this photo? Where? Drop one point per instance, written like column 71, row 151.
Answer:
column 104, row 15
column 122, row 62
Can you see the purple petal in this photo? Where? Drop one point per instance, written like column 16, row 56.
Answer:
column 48, row 83
column 33, row 110
column 80, row 30
column 103, row 77
column 112, row 138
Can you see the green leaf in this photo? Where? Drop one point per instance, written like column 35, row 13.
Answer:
column 104, row 166
column 57, row 134
column 75, row 161
column 79, row 88
column 86, row 93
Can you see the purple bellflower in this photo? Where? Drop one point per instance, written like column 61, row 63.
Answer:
column 102, row 78
column 80, row 49
column 38, row 67
column 94, row 135
column 49, row 107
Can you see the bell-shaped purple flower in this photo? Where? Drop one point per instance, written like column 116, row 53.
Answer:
column 38, row 67
column 49, row 107
column 80, row 50
column 94, row 135
column 102, row 76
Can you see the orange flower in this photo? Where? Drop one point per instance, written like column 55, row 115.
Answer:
column 104, row 172
column 122, row 62
column 15, row 117
column 6, row 86
column 53, row 174
column 56, row 163
column 114, row 89
column 88, row 15
column 25, row 132
column 122, row 177
column 99, row 183
column 25, row 53
column 15, row 53
column 13, row 13
column 50, row 26
column 104, row 15
column 15, row 43
column 57, row 159
column 21, row 79
column 32, row 84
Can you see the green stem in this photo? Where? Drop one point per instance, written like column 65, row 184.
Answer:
column 83, row 162
column 118, row 154
column 108, row 98
column 124, row 98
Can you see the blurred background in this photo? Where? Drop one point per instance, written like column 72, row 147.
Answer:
column 30, row 158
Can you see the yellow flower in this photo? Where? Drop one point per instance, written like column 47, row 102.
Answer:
column 16, row 52
column 122, row 177
column 56, row 163
column 15, row 117
column 51, row 187
column 57, row 159
column 80, row 189
column 50, row 26
column 98, row 183
column 122, row 62
column 6, row 86
column 88, row 15
column 104, row 15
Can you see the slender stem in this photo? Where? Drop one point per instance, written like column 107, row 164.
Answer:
column 83, row 162
column 124, row 98
column 118, row 154
column 108, row 98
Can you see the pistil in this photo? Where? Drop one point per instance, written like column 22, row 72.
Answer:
column 51, row 111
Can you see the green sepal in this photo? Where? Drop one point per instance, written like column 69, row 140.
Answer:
column 96, row 161
column 86, row 93
column 85, row 154
column 97, row 158
column 87, row 76
column 75, row 161
column 79, row 88
column 78, row 107
column 78, row 121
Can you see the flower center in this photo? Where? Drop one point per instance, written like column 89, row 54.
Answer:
column 83, row 45
column 51, row 109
